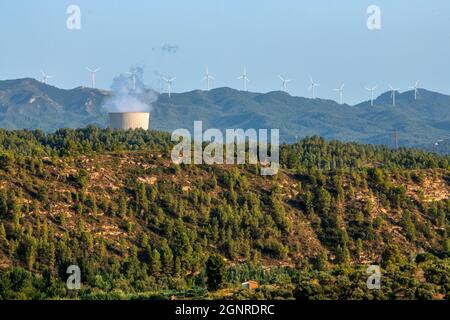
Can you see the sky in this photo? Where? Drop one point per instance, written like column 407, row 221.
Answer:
column 326, row 39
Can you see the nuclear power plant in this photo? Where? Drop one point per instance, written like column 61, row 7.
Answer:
column 129, row 120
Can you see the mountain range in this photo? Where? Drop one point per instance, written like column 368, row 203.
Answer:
column 30, row 104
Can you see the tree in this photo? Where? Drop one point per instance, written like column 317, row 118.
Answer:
column 215, row 272
column 2, row 233
column 309, row 203
column 342, row 254
column 391, row 256
column 359, row 248
column 322, row 261
column 6, row 160
column 141, row 199
column 156, row 262
column 167, row 256
column 408, row 225
column 123, row 209
column 82, row 178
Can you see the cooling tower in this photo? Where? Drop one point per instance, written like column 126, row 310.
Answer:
column 129, row 120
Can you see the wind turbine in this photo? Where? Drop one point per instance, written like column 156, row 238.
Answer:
column 312, row 87
column 341, row 92
column 393, row 91
column 415, row 88
column 169, row 82
column 372, row 90
column 93, row 73
column 45, row 77
column 207, row 78
column 284, row 83
column 244, row 79
column 132, row 74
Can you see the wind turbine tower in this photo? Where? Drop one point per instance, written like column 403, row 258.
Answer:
column 208, row 79
column 284, row 83
column 312, row 87
column 372, row 90
column 393, row 92
column 341, row 92
column 244, row 79
column 45, row 77
column 132, row 74
column 93, row 73
column 415, row 87
column 169, row 82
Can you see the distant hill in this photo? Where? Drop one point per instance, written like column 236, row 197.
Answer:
column 27, row 103
column 440, row 146
column 30, row 104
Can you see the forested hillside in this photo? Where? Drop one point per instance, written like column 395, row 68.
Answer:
column 113, row 203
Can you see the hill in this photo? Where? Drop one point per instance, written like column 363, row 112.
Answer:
column 29, row 104
column 113, row 203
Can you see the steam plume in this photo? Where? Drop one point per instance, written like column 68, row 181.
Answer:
column 130, row 95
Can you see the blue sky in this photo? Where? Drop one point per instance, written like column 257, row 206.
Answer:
column 327, row 39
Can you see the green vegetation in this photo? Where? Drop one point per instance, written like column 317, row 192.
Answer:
column 215, row 272
column 30, row 104
column 140, row 227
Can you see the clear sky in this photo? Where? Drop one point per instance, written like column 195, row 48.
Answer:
column 327, row 39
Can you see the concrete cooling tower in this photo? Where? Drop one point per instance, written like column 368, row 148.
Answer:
column 129, row 120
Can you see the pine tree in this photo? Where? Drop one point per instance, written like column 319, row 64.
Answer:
column 391, row 256
column 309, row 202
column 123, row 208
column 342, row 254
column 408, row 225
column 156, row 262
column 2, row 233
column 141, row 199
column 215, row 272
column 359, row 248
column 322, row 261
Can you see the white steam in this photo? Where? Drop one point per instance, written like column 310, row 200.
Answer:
column 129, row 93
